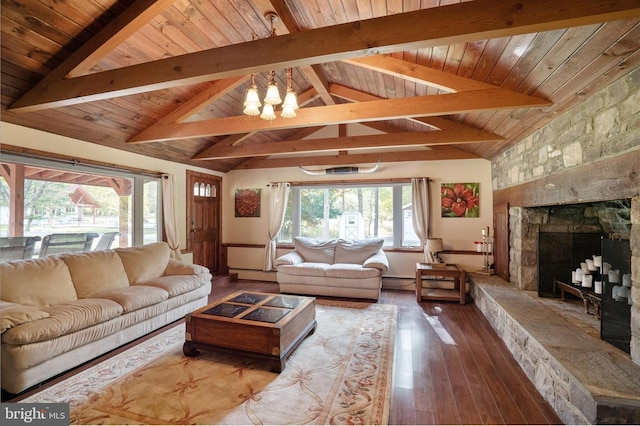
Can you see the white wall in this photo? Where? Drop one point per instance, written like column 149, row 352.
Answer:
column 11, row 134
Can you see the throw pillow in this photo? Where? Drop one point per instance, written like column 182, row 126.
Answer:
column 318, row 251
column 357, row 251
column 97, row 271
column 143, row 263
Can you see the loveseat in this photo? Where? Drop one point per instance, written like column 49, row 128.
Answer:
column 60, row 311
column 339, row 268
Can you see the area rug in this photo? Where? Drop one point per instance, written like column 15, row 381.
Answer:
column 341, row 374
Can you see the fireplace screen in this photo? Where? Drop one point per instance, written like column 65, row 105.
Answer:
column 559, row 253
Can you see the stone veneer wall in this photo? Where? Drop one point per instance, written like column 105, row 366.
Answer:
column 606, row 124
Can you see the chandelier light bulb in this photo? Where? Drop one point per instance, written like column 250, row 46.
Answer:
column 273, row 95
column 267, row 112
column 252, row 96
column 287, row 112
column 290, row 99
column 251, row 109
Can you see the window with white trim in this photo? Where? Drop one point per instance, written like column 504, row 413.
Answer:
column 350, row 211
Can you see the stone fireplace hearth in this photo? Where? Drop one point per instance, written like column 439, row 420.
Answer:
column 618, row 219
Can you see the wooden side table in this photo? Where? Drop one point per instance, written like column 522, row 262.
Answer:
column 458, row 293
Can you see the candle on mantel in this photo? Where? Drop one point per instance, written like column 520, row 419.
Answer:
column 614, row 275
column 598, row 287
column 591, row 265
column 597, row 261
column 573, row 277
column 587, row 281
column 579, row 275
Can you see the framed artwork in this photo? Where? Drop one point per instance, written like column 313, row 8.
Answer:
column 247, row 202
column 460, row 199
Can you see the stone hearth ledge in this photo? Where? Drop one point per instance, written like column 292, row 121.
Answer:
column 586, row 380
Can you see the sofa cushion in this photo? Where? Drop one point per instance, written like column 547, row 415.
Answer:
column 175, row 284
column 63, row 319
column 308, row 269
column 12, row 314
column 357, row 251
column 135, row 297
column 176, row 267
column 350, row 271
column 95, row 271
column 144, row 262
column 315, row 250
column 37, row 282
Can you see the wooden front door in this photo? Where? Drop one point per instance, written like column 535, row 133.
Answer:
column 203, row 219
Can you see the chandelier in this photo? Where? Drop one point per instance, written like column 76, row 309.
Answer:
column 272, row 98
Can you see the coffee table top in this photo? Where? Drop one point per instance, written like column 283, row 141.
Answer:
column 253, row 306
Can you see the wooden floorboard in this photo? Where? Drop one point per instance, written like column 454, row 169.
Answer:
column 450, row 366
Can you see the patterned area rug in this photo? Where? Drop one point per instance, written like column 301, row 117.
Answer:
column 341, row 374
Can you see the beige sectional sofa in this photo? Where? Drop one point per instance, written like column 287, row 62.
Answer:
column 339, row 268
column 61, row 311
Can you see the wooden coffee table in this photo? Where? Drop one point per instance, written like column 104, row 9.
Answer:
column 263, row 325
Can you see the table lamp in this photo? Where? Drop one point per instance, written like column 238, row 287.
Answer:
column 431, row 250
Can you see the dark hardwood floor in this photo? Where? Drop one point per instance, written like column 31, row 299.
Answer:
column 450, row 365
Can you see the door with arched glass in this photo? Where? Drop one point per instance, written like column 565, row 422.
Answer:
column 203, row 219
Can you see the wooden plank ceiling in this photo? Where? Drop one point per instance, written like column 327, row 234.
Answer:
column 432, row 80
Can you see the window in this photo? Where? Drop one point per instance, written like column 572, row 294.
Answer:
column 351, row 211
column 66, row 197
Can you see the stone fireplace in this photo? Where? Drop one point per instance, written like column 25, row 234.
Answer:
column 618, row 219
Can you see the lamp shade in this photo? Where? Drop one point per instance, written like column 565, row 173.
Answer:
column 434, row 245
column 268, row 112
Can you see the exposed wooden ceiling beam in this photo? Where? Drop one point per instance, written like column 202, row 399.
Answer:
column 418, row 106
column 358, row 96
column 439, row 137
column 351, row 159
column 418, row 73
column 405, row 31
column 106, row 40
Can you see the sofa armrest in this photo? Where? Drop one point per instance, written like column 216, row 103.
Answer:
column 292, row 258
column 377, row 261
column 176, row 267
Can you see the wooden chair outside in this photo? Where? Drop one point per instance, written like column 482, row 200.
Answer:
column 105, row 241
column 66, row 243
column 17, row 248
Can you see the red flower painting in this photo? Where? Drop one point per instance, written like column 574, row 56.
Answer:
column 247, row 203
column 459, row 200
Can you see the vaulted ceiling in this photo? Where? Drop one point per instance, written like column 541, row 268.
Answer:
column 430, row 80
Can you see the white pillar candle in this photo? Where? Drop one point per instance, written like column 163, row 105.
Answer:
column 606, row 266
column 626, row 280
column 590, row 265
column 579, row 275
column 587, row 281
column 598, row 287
column 573, row 276
column 597, row 261
column 583, row 266
column 614, row 275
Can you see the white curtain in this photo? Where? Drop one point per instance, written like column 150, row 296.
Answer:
column 420, row 208
column 277, row 205
column 169, row 215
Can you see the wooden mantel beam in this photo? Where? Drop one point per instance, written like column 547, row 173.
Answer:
column 436, row 137
column 403, row 31
column 389, row 109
